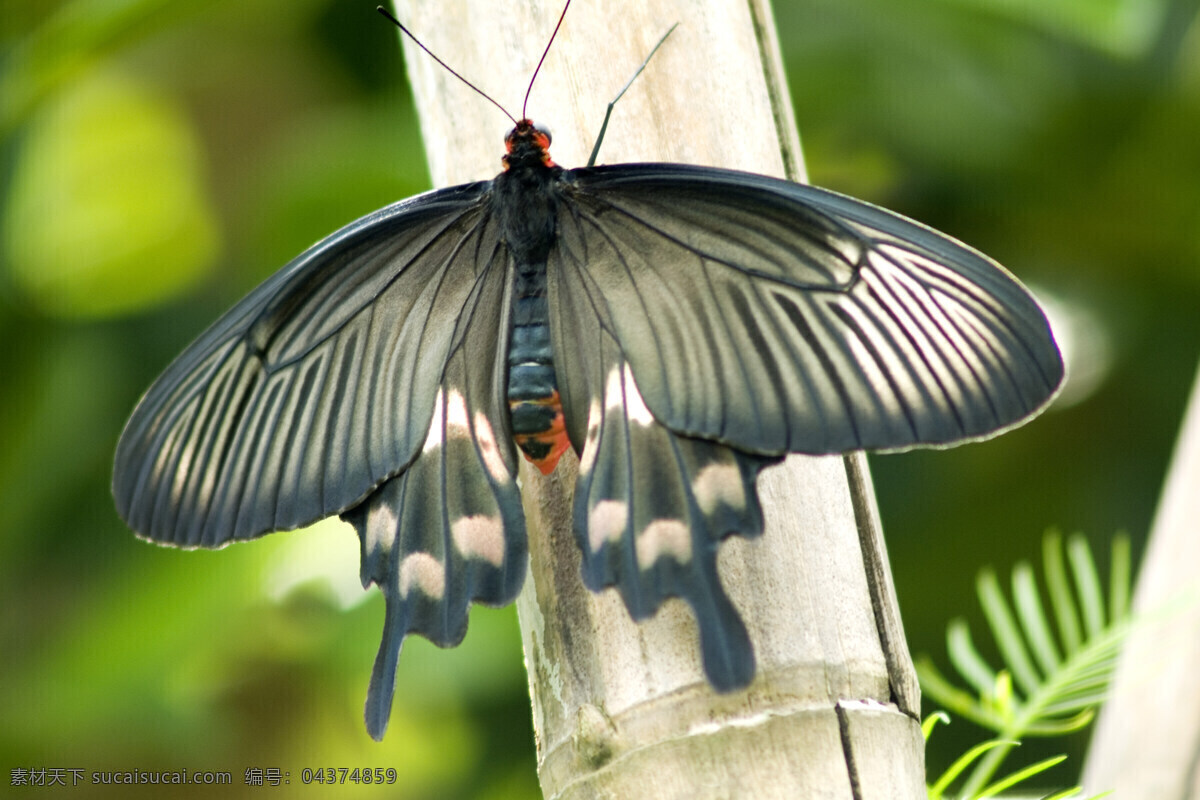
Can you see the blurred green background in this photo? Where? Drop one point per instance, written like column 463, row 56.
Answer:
column 159, row 158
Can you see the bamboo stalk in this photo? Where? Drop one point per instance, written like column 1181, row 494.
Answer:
column 1147, row 740
column 621, row 709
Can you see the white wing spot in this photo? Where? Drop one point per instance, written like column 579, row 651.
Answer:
column 381, row 528
column 664, row 537
column 635, row 407
column 457, row 419
column 489, row 451
column 613, row 394
column 479, row 537
column 425, row 573
column 595, row 417
column 433, row 440
column 606, row 522
column 717, row 484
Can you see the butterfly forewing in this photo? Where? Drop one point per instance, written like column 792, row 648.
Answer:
column 315, row 388
column 776, row 317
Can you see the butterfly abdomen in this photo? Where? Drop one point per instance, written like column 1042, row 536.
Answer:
column 533, row 401
column 525, row 198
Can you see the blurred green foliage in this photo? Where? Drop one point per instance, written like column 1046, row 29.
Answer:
column 106, row 158
column 158, row 158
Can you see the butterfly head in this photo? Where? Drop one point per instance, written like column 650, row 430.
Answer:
column 527, row 144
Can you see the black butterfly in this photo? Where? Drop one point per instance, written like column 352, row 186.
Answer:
column 680, row 327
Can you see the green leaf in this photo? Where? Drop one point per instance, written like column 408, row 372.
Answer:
column 967, row 660
column 1088, row 581
column 1065, row 794
column 1072, row 794
column 71, row 42
column 1018, row 776
column 1033, row 618
column 107, row 211
column 1065, row 613
column 1121, row 27
column 931, row 722
column 1005, row 630
column 1119, row 581
column 960, row 702
column 1062, row 728
column 961, row 763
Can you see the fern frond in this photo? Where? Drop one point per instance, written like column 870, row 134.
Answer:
column 1048, row 685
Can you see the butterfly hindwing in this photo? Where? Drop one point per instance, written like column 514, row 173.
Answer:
column 650, row 507
column 316, row 387
column 450, row 529
column 777, row 317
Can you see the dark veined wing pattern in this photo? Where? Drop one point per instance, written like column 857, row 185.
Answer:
column 307, row 394
column 703, row 323
column 778, row 317
column 706, row 322
column 364, row 379
column 650, row 506
column 449, row 529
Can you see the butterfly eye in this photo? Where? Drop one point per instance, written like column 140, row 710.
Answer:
column 542, row 129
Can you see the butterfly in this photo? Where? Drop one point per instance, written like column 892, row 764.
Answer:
column 680, row 328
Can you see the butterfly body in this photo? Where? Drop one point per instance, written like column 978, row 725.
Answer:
column 525, row 202
column 680, row 327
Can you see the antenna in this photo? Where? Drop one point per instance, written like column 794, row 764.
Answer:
column 541, row 60
column 604, row 126
column 479, row 91
column 448, row 68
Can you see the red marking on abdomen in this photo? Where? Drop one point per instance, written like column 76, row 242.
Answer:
column 544, row 448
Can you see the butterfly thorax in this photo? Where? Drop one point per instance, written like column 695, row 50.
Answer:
column 525, row 200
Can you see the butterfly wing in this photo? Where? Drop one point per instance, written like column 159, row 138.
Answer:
column 651, row 506
column 449, row 529
column 367, row 379
column 778, row 317
column 316, row 387
column 705, row 322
